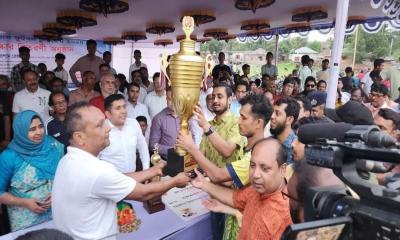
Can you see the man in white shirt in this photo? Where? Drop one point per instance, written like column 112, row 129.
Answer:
column 156, row 100
column 269, row 68
column 304, row 71
column 367, row 80
column 137, row 55
column 137, row 78
column 125, row 137
column 324, row 73
column 59, row 71
column 32, row 97
column 133, row 106
column 86, row 190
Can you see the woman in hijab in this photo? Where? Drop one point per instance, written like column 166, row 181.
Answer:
column 27, row 169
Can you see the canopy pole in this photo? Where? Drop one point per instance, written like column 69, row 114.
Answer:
column 276, row 49
column 355, row 47
column 342, row 8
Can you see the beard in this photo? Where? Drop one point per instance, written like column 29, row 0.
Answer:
column 277, row 130
column 222, row 110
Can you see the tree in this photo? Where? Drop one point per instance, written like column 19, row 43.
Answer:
column 314, row 45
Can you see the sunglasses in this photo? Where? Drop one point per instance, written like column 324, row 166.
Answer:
column 310, row 85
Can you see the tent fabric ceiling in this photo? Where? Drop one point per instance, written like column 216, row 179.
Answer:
column 23, row 16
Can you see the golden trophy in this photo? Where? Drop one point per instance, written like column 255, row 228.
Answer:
column 154, row 205
column 185, row 73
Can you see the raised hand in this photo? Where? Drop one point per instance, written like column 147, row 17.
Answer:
column 185, row 141
column 199, row 181
column 201, row 119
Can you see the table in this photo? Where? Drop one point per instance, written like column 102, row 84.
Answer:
column 164, row 225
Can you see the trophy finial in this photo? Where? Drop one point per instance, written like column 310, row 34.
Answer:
column 187, row 26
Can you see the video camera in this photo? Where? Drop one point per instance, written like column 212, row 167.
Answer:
column 352, row 152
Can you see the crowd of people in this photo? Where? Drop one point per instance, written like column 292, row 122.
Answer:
column 72, row 155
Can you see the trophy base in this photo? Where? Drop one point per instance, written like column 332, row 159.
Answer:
column 177, row 164
column 154, row 205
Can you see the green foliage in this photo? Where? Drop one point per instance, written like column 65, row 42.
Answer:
column 314, row 45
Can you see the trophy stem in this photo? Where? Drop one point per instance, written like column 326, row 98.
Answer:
column 185, row 130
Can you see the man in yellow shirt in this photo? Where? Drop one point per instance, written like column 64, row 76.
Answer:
column 255, row 113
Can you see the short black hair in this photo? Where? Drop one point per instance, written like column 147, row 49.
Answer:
column 281, row 156
column 228, row 89
column 5, row 78
column 88, row 72
column 389, row 114
column 321, row 82
column 45, row 234
column 23, row 49
column 106, row 53
column 56, row 79
column 156, row 75
column 108, row 101
column 28, row 70
column 305, row 59
column 243, row 83
column 121, row 76
column 133, row 84
column 136, row 71
column 221, row 53
column 245, row 66
column 292, row 109
column 378, row 62
column 348, row 70
column 73, row 119
column 60, row 56
column 137, row 51
column 143, row 68
column 325, row 60
column 310, row 79
column 289, row 80
column 379, row 88
column 306, row 102
column 91, row 42
column 141, row 119
column 104, row 65
column 51, row 103
column 270, row 53
column 260, row 106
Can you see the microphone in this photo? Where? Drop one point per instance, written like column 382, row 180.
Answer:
column 310, row 133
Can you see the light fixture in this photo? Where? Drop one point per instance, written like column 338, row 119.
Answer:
column 76, row 18
column 354, row 20
column 46, row 36
column 160, row 28
column 203, row 40
column 134, row 36
column 308, row 14
column 298, row 27
column 104, row 6
column 228, row 37
column 252, row 5
column 256, row 25
column 113, row 41
column 163, row 42
column 215, row 33
column 58, row 29
column 200, row 16
column 257, row 33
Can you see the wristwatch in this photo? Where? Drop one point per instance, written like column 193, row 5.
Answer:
column 209, row 132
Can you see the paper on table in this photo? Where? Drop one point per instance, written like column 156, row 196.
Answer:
column 186, row 202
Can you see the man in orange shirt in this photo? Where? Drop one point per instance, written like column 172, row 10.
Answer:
column 264, row 207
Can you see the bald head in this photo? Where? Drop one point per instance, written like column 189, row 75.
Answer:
column 107, row 85
column 267, row 168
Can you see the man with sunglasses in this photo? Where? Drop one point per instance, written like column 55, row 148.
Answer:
column 378, row 98
column 309, row 86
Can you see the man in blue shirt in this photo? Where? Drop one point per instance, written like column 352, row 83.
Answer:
column 285, row 114
column 58, row 101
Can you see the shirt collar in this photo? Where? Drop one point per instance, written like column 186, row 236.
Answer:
column 224, row 119
column 77, row 151
column 289, row 140
column 26, row 91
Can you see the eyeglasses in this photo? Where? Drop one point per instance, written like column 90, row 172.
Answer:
column 372, row 95
column 310, row 85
